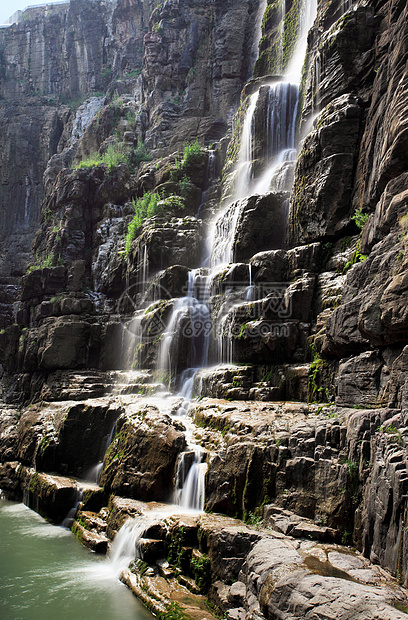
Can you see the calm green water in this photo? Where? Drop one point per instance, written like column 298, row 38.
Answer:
column 45, row 574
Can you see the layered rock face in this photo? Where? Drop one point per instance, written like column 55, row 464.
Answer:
column 61, row 54
column 164, row 248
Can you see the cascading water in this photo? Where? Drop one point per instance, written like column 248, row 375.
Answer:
column 191, row 468
column 190, row 320
column 244, row 171
column 307, row 14
column 184, row 347
column 277, row 150
column 282, row 107
column 278, row 104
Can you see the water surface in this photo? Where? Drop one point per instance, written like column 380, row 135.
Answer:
column 45, row 574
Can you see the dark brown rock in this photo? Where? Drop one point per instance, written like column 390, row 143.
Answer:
column 140, row 461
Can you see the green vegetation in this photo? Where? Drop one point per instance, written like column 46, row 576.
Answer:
column 45, row 442
column 42, row 263
column 201, row 569
column 149, row 205
column 192, row 155
column 356, row 257
column 106, row 73
column 138, row 566
column 133, row 74
column 316, row 392
column 360, row 218
column 393, row 431
column 117, row 153
column 144, row 207
column 252, row 519
column 346, row 538
column 198, row 567
column 185, row 186
column 290, row 32
column 174, row 548
column 140, row 154
column 174, row 612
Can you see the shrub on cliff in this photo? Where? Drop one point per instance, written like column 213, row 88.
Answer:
column 116, row 153
column 150, row 204
column 192, row 155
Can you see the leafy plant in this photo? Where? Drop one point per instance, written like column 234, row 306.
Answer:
column 201, row 569
column 360, row 218
column 356, row 257
column 192, row 155
column 48, row 261
column 185, row 185
column 140, row 154
column 149, row 205
column 252, row 519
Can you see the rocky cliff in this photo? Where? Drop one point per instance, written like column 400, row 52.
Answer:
column 211, row 230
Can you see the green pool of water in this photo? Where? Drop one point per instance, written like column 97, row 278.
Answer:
column 45, row 574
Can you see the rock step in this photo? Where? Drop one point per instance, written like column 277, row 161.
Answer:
column 151, row 550
column 144, row 389
column 291, row 524
column 260, row 383
column 90, row 539
column 79, row 385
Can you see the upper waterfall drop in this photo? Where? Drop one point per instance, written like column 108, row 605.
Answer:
column 307, row 15
column 268, row 142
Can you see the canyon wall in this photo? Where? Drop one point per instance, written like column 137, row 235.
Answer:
column 304, row 298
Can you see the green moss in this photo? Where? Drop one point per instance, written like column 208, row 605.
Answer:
column 175, row 548
column 291, row 31
column 45, row 442
column 33, row 483
column 320, row 371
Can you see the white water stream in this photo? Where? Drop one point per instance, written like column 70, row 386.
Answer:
column 190, row 318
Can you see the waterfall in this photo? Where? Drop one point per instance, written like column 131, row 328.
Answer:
column 223, row 234
column 278, row 106
column 271, row 116
column 307, row 14
column 94, row 474
column 258, row 33
column 210, row 176
column 125, row 546
column 191, row 467
column 245, row 158
column 190, row 480
column 282, row 107
column 189, row 320
column 250, row 289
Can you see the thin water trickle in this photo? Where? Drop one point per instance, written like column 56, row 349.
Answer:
column 245, row 159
